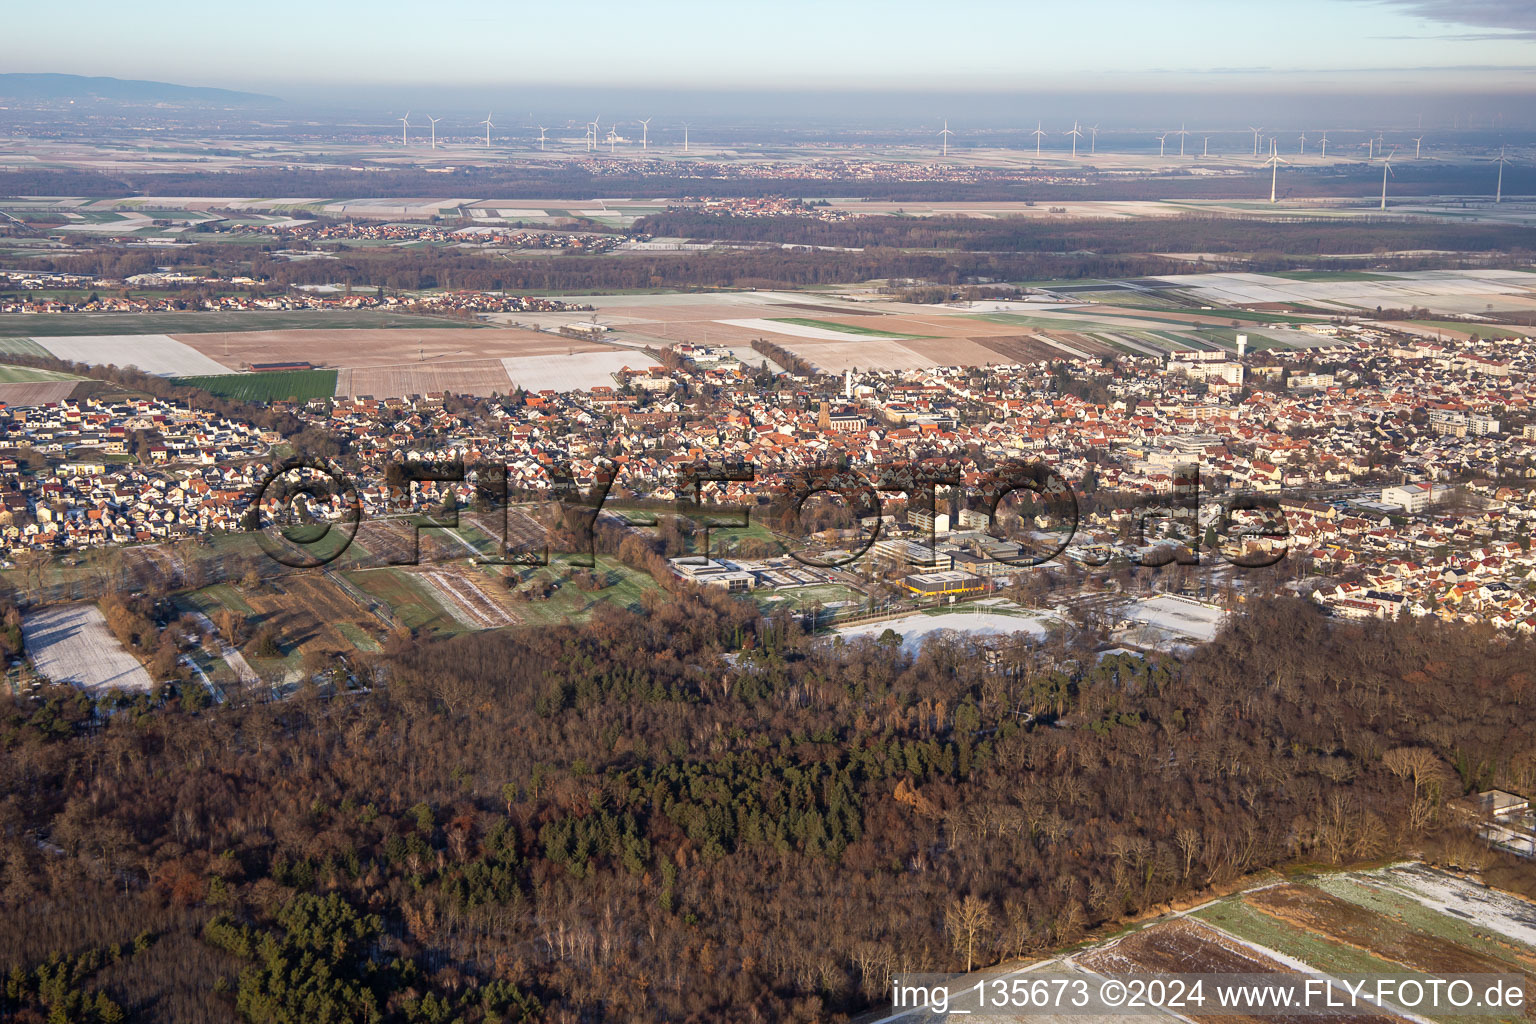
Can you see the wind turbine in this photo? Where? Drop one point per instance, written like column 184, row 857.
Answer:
column 1207, row 151
column 1075, row 136
column 434, row 121
column 945, row 134
column 1093, row 144
column 541, row 137
column 1498, row 194
column 1325, row 145
column 613, row 136
column 1303, row 144
column 1181, row 133
column 1255, row 131
column 404, row 123
column 645, row 128
column 1418, row 145
column 592, row 134
column 685, row 136
column 1274, row 162
column 1162, row 142
column 488, row 127
column 1386, row 169
column 1381, row 138
column 1038, row 136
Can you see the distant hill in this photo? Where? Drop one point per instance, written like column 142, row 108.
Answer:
column 81, row 89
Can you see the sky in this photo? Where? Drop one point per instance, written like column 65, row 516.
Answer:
column 385, row 51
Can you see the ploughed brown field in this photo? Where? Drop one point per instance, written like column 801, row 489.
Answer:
column 385, row 347
column 1184, row 946
column 483, row 377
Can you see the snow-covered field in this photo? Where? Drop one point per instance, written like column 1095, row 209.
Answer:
column 1495, row 911
column 571, row 372
column 916, row 630
column 1442, row 290
column 802, row 330
column 1177, row 616
column 152, row 353
column 71, row 644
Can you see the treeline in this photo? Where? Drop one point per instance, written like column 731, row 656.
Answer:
column 1193, row 233
column 688, row 812
column 660, row 178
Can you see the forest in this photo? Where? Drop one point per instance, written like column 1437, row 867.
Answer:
column 689, row 812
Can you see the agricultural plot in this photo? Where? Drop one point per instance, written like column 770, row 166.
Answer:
column 579, row 371
column 72, row 644
column 1185, row 946
column 483, row 377
column 39, row 393
column 200, row 322
column 293, row 385
column 840, row 328
column 410, row 602
column 1445, row 291
column 30, row 375
column 466, row 597
column 360, row 347
column 14, row 346
column 153, row 353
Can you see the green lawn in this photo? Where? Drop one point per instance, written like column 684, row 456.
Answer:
column 13, row 346
column 830, row 325
column 295, row 385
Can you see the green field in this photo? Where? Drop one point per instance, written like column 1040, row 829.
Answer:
column 408, row 599
column 13, row 346
column 23, row 325
column 28, row 375
column 1481, row 330
column 830, row 325
column 295, row 385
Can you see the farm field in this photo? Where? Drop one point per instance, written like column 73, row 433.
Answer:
column 570, row 372
column 29, row 375
column 291, row 385
column 153, row 353
column 411, row 602
column 303, row 608
column 360, row 347
column 1441, row 291
column 198, row 321
column 483, row 377
column 1187, row 946
column 39, row 393
column 72, row 644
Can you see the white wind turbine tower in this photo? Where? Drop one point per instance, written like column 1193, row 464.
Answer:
column 1274, row 162
column 1325, row 145
column 541, row 136
column 404, row 123
column 945, row 134
column 1382, row 140
column 1207, row 150
column 1093, row 139
column 1303, row 144
column 1075, row 136
column 1038, row 134
column 1162, row 142
column 488, row 127
column 434, row 121
column 1498, row 194
column 613, row 136
column 685, row 136
column 645, row 128
column 1386, row 169
column 1255, row 138
column 1181, row 133
column 1418, row 146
